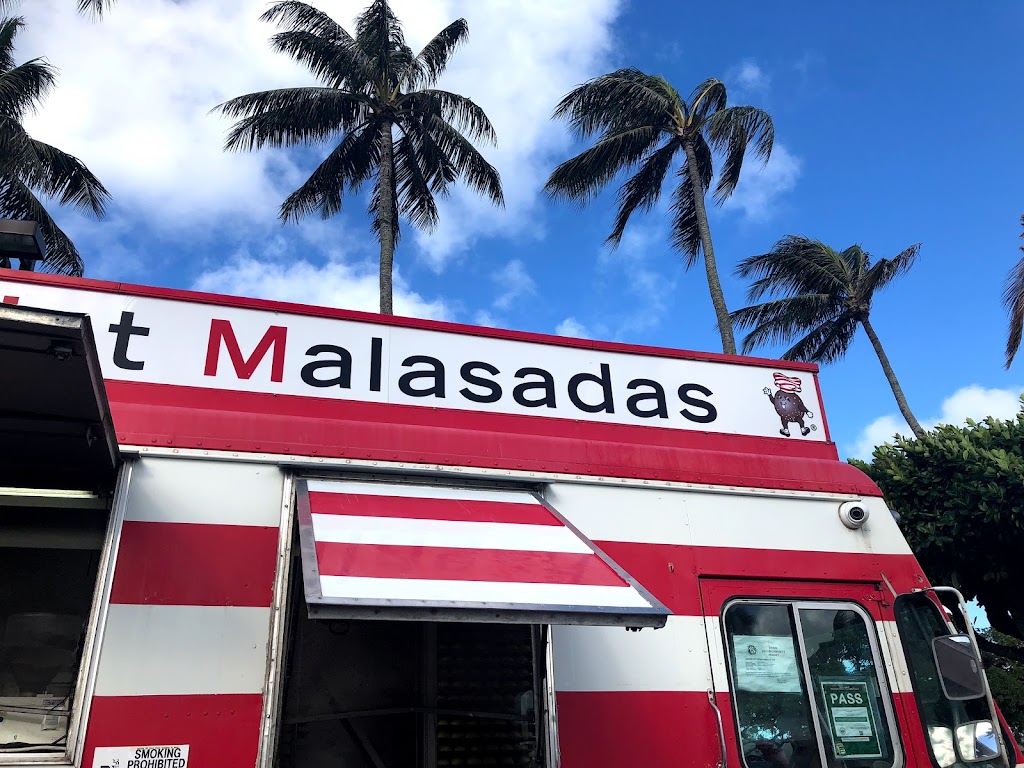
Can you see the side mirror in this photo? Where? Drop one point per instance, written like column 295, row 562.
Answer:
column 942, row 745
column 977, row 741
column 959, row 667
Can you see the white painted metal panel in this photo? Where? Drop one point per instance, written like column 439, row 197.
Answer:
column 196, row 491
column 703, row 519
column 156, row 650
column 639, row 515
column 673, row 658
column 719, row 520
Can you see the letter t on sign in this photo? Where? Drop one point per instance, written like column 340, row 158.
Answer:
column 125, row 330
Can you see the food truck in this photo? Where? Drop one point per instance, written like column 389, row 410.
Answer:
column 237, row 533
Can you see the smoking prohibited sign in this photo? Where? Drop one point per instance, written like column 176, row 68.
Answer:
column 852, row 719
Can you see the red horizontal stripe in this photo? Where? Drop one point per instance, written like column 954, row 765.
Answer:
column 670, row 572
column 195, row 564
column 221, row 731
column 456, row 564
column 653, row 729
column 368, row 505
column 193, row 417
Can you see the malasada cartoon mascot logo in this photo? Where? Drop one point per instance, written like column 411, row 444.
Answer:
column 788, row 404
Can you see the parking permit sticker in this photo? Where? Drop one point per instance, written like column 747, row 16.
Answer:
column 852, row 718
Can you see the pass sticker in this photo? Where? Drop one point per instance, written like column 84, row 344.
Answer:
column 852, row 718
column 164, row 756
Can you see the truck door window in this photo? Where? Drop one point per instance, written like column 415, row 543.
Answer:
column 919, row 622
column 805, row 686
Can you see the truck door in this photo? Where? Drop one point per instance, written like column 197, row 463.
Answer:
column 801, row 678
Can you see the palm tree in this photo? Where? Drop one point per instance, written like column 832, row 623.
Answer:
column 1013, row 300
column 96, row 7
column 374, row 90
column 29, row 167
column 824, row 295
column 642, row 124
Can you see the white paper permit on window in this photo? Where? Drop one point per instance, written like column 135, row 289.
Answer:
column 766, row 664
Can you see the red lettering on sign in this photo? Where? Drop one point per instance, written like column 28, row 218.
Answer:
column 221, row 330
column 11, row 299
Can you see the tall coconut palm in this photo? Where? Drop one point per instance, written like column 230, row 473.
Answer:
column 642, row 124
column 379, row 109
column 1013, row 300
column 824, row 295
column 30, row 168
column 96, row 7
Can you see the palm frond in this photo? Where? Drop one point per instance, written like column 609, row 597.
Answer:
column 415, row 191
column 64, row 177
column 17, row 201
column 781, row 320
column 685, row 222
column 431, row 62
column 95, row 7
column 349, row 166
column 707, row 98
column 731, row 131
column 9, row 28
column 580, row 178
column 1013, row 300
column 379, row 35
column 291, row 116
column 461, row 112
column 336, row 62
column 795, row 265
column 302, row 17
column 643, row 189
column 468, row 163
column 614, row 103
column 826, row 343
column 878, row 275
column 23, row 87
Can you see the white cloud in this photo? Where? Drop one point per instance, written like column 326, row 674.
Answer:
column 879, row 431
column 135, row 92
column 976, row 402
column 571, row 327
column 761, row 185
column 514, row 282
column 971, row 402
column 747, row 80
column 335, row 284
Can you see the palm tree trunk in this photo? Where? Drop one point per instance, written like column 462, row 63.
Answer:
column 897, row 390
column 714, row 284
column 386, row 217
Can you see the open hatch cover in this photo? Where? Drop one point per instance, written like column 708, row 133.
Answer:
column 55, row 425
column 419, row 552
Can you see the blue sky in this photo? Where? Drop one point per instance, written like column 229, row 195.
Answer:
column 895, row 124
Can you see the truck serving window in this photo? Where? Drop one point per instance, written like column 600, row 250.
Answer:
column 806, row 686
column 919, row 622
column 419, row 622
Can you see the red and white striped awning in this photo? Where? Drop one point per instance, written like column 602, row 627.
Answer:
column 424, row 552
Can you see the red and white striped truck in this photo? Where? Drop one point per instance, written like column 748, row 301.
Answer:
column 238, row 533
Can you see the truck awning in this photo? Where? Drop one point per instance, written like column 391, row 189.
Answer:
column 425, row 552
column 55, row 425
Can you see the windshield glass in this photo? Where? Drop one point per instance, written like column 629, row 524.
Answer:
column 919, row 622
